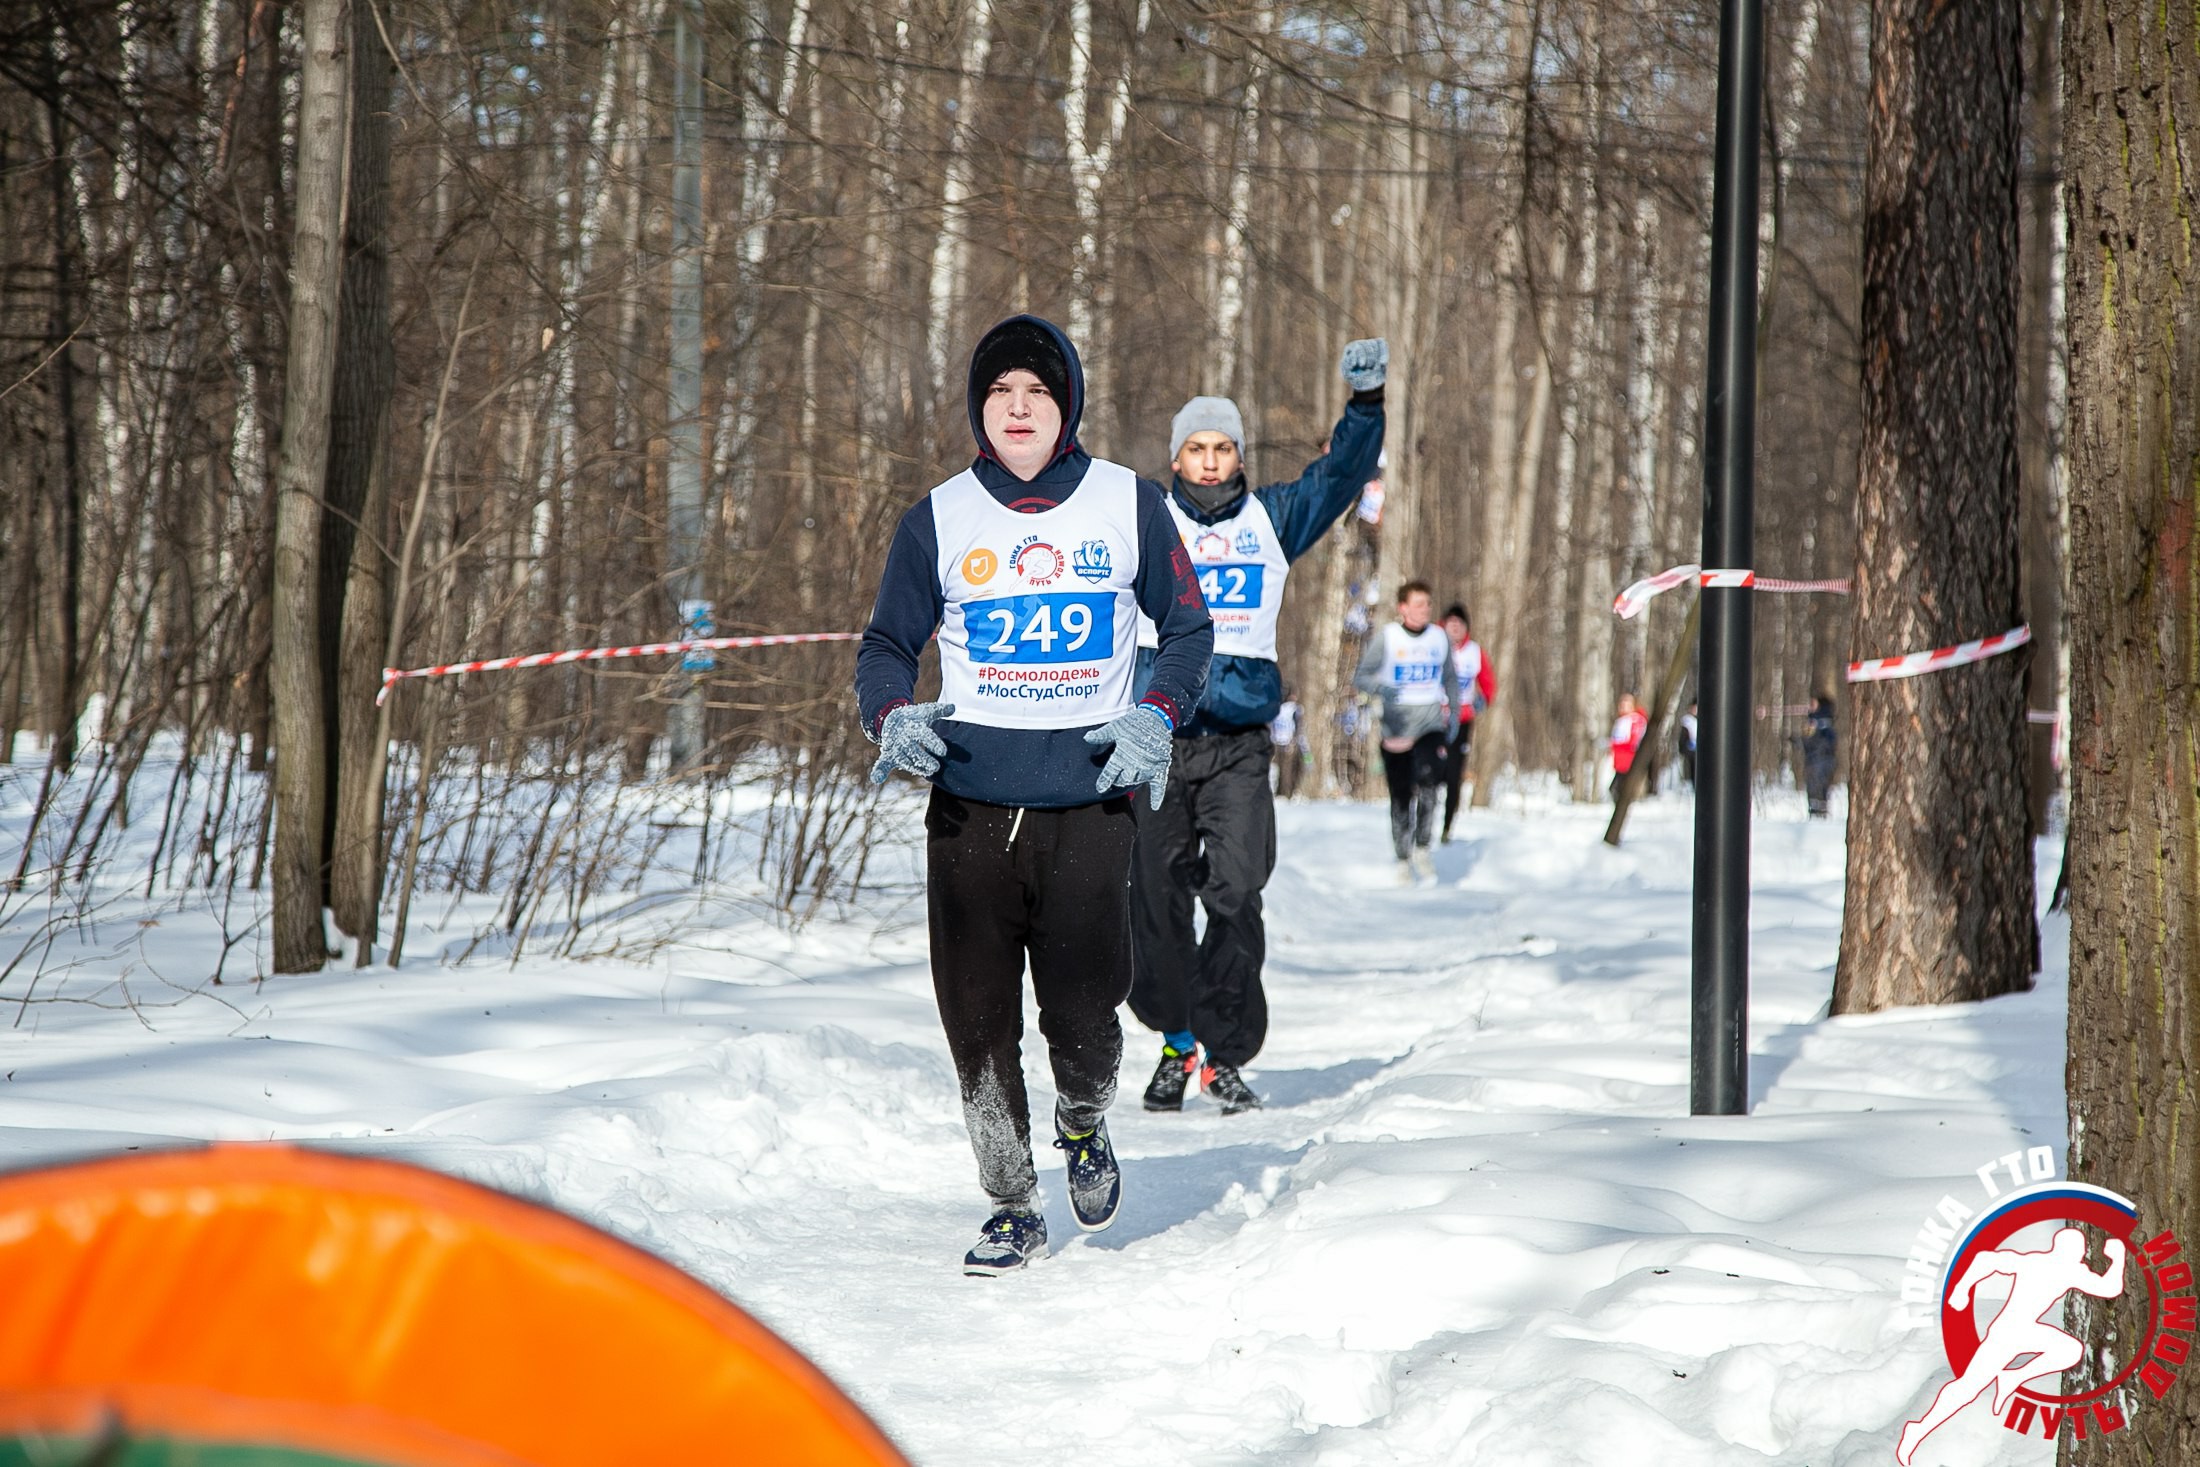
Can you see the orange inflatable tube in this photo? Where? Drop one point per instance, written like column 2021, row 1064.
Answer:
column 369, row 1310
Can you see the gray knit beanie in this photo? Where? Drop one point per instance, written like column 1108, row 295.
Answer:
column 1206, row 415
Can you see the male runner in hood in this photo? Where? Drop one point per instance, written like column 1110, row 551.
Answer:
column 1033, row 566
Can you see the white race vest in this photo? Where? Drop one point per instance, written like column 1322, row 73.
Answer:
column 1241, row 569
column 1040, row 626
column 1413, row 664
column 1466, row 660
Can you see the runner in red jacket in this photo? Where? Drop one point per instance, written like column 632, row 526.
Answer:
column 1628, row 729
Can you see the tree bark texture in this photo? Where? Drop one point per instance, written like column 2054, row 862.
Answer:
column 2131, row 116
column 316, row 271
column 2038, row 411
column 1939, row 899
column 355, row 548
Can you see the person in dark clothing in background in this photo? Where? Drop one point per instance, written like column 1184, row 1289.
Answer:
column 1820, row 743
column 1033, row 565
column 1216, row 842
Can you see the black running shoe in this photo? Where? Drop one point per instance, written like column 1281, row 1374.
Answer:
column 1011, row 1239
column 1095, row 1181
column 1170, row 1077
column 1226, row 1085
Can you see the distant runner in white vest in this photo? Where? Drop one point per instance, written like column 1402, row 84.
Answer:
column 1478, row 683
column 1408, row 666
column 1215, row 841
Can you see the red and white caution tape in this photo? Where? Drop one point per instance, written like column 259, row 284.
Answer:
column 1631, row 602
column 391, row 675
column 1882, row 669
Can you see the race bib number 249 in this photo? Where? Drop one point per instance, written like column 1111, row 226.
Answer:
column 1051, row 627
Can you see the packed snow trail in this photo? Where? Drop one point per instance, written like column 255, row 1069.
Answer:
column 1474, row 1224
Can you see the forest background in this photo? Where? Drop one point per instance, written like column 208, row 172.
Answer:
column 1211, row 198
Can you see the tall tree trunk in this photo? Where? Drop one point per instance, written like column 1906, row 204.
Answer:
column 2131, row 108
column 356, row 529
column 300, row 939
column 2037, row 427
column 65, row 686
column 950, row 249
column 1939, row 895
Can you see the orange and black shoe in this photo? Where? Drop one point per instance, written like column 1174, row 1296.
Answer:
column 1227, row 1087
column 1170, row 1077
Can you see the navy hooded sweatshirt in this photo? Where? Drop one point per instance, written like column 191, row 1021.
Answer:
column 1034, row 768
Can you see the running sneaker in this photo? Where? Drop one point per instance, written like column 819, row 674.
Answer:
column 1424, row 865
column 1166, row 1092
column 1095, row 1181
column 1227, row 1086
column 1011, row 1239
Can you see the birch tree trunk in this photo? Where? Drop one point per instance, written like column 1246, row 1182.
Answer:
column 316, row 273
column 2131, row 108
column 950, row 249
column 1402, row 553
column 1939, row 895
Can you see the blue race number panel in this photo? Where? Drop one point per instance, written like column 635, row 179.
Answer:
column 1042, row 628
column 1232, row 584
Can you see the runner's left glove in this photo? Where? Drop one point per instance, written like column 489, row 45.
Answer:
column 1365, row 363
column 1141, row 754
column 906, row 741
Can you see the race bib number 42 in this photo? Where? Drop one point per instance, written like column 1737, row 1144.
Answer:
column 1233, row 586
column 1060, row 626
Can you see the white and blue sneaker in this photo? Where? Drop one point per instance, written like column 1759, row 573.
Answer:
column 1011, row 1239
column 1095, row 1181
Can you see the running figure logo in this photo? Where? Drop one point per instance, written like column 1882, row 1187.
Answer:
column 2035, row 1376
column 2020, row 1345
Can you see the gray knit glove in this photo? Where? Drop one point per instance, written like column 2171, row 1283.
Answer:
column 906, row 741
column 1141, row 754
column 1365, row 363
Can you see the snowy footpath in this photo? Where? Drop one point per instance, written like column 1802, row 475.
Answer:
column 1475, row 1224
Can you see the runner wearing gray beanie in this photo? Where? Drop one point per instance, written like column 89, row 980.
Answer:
column 1212, row 844
column 1207, row 415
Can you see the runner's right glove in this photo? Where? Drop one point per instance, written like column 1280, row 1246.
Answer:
column 906, row 741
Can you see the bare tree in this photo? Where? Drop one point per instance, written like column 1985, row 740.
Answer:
column 2131, row 105
column 1939, row 894
column 300, row 939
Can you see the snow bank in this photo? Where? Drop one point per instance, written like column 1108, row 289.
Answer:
column 1474, row 1224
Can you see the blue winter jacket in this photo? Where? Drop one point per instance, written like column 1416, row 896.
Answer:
column 1245, row 692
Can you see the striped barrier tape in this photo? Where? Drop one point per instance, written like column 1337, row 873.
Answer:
column 1631, row 602
column 1883, row 669
column 391, row 676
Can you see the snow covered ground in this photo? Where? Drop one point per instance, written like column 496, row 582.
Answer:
column 1475, row 1223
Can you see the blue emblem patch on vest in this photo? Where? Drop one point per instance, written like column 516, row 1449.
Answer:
column 1093, row 561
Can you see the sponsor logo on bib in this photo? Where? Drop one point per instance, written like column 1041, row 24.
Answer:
column 1039, row 563
column 979, row 566
column 1093, row 561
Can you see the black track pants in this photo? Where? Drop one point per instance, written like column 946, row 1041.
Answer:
column 1455, row 771
column 1054, row 886
column 1213, row 838
column 1413, row 776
